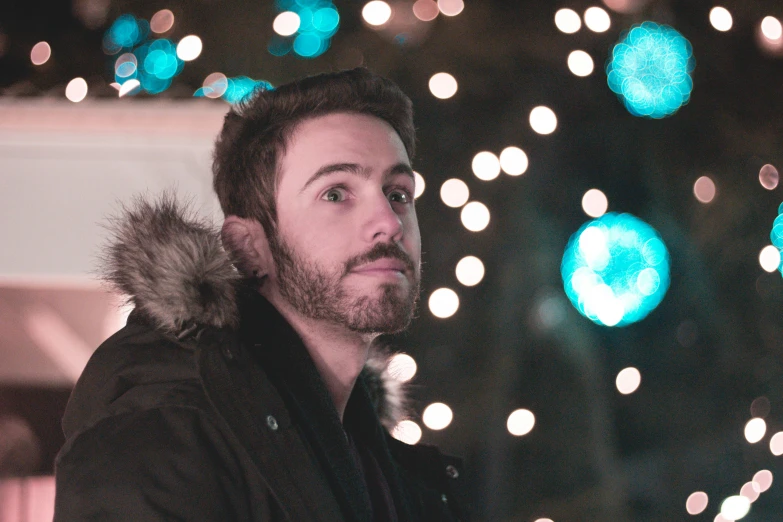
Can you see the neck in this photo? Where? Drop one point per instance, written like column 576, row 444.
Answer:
column 339, row 355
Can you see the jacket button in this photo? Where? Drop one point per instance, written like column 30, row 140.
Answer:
column 228, row 353
column 271, row 422
column 444, row 499
column 451, row 472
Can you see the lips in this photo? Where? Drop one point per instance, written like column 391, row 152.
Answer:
column 385, row 264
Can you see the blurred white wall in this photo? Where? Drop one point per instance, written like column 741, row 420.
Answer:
column 64, row 168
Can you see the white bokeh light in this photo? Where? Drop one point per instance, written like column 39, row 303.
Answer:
column 597, row 20
column 567, row 21
column 437, row 416
column 451, row 7
column 750, row 490
column 402, row 367
column 40, row 53
column 162, row 21
column 543, row 120
column 704, row 189
column 189, row 48
column 286, row 23
column 580, row 63
column 513, row 161
column 486, row 166
column 475, row 216
column 76, row 90
column 418, row 185
column 776, row 444
column 470, row 271
column 443, row 85
column 594, row 203
column 720, row 18
column 407, row 431
column 696, row 503
column 755, row 430
column 128, row 87
column 443, row 303
column 771, row 28
column 769, row 258
column 735, row 507
column 628, row 380
column 520, row 422
column 376, row 12
column 454, row 192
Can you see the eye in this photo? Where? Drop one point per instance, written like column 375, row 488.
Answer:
column 334, row 195
column 399, row 196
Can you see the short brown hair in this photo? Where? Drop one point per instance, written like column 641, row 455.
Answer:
column 256, row 131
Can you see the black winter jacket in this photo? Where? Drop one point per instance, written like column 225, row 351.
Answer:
column 207, row 406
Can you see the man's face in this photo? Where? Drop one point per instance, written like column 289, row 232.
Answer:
column 348, row 248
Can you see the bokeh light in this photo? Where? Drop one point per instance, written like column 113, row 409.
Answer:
column 376, row 12
column 418, row 185
column 580, row 63
column 513, row 161
column 443, row 85
column 597, row 20
column 443, row 303
column 595, row 203
column 776, row 234
column 454, row 192
column 696, row 503
column 402, row 367
column 240, row 87
column 129, row 87
column 735, row 507
column 486, row 166
column 76, row 90
column 189, row 48
column 650, row 70
column 720, row 18
column 750, row 490
column 615, row 269
column 451, row 7
column 628, row 380
column 470, row 271
column 769, row 258
column 407, row 431
column 475, row 216
column 543, row 120
column 769, row 177
column 704, row 189
column 437, row 416
column 755, row 430
column 40, row 53
column 567, row 21
column 771, row 28
column 286, row 23
column 776, row 444
column 125, row 67
column 215, row 85
column 426, row 10
column 162, row 21
column 625, row 6
column 125, row 33
column 520, row 422
column 764, row 480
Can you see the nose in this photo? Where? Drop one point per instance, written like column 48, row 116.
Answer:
column 382, row 222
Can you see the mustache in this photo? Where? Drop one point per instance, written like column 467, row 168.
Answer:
column 380, row 251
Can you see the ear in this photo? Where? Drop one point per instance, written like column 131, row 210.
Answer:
column 246, row 240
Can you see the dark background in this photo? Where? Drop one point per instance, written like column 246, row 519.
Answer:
column 713, row 345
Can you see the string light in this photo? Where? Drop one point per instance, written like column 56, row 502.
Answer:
column 475, row 216
column 376, row 13
column 189, row 48
column 407, row 431
column 580, row 63
column 162, row 21
column 769, row 177
column 543, row 120
column 771, row 28
column 76, row 90
column 486, row 166
column 520, row 422
column 735, row 507
column 470, row 271
column 286, row 23
column 454, row 192
column 418, row 184
column 597, row 20
column 750, row 491
column 594, row 203
column 426, row 10
column 776, row 444
column 696, row 503
column 769, row 258
column 402, row 367
column 443, row 303
column 40, row 53
column 513, row 161
column 628, row 380
column 437, row 416
column 451, row 7
column 755, row 430
column 720, row 18
column 704, row 189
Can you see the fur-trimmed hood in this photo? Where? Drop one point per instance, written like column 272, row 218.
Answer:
column 172, row 267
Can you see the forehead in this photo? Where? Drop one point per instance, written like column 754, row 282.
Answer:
column 341, row 137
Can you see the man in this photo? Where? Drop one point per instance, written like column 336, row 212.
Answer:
column 245, row 385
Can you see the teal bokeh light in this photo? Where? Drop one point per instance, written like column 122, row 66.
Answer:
column 126, row 32
column 240, row 87
column 319, row 20
column 776, row 235
column 309, row 45
column 650, row 70
column 615, row 269
column 326, row 20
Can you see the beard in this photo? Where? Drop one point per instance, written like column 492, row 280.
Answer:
column 318, row 293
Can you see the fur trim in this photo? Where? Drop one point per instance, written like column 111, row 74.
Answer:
column 387, row 392
column 171, row 265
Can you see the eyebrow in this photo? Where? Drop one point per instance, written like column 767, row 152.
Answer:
column 355, row 168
